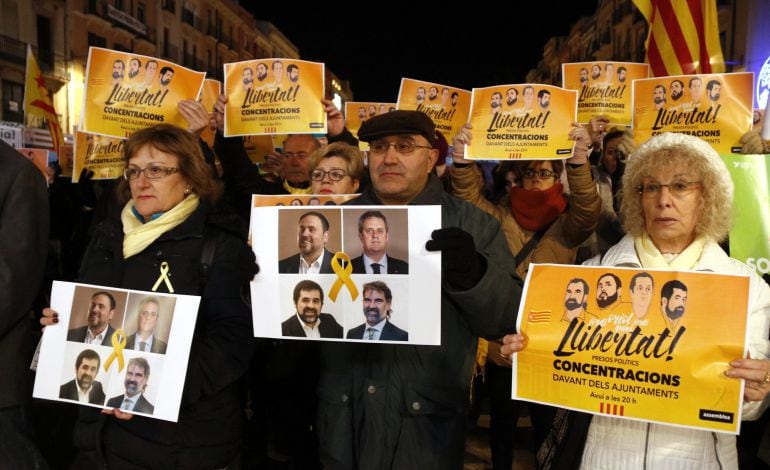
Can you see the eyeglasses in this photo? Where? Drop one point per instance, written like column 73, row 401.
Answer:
column 679, row 188
column 335, row 174
column 151, row 172
column 403, row 146
column 543, row 174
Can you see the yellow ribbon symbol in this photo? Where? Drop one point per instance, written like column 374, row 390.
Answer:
column 343, row 276
column 118, row 344
column 163, row 277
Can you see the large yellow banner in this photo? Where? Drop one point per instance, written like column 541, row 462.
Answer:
column 356, row 112
column 522, row 122
column 639, row 344
column 274, row 96
column 448, row 107
column 604, row 88
column 101, row 154
column 127, row 92
column 716, row 107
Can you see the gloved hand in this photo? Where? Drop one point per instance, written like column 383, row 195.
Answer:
column 85, row 189
column 463, row 267
column 753, row 143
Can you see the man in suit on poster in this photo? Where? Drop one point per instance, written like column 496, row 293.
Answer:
column 308, row 321
column 373, row 232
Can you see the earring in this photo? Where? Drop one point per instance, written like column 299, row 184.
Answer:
column 187, row 191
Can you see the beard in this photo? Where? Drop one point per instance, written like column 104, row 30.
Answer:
column 659, row 100
column 132, row 387
column 572, row 304
column 676, row 313
column 675, row 96
column 85, row 382
column 117, row 75
column 248, row 81
column 545, row 105
column 511, row 101
column 372, row 315
column 495, row 105
column 261, row 76
column 583, row 79
column 595, row 75
column 165, row 82
column 309, row 315
column 714, row 97
column 133, row 74
column 607, row 300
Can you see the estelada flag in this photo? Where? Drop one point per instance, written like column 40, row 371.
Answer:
column 37, row 102
column 683, row 37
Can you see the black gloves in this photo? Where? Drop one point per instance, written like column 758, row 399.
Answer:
column 463, row 267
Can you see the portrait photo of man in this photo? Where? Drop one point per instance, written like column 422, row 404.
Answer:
column 361, row 114
column 377, row 299
column 596, row 72
column 277, row 68
column 313, row 257
column 713, row 88
column 292, row 71
column 98, row 329
column 696, row 91
column 608, row 291
column 118, row 68
column 373, row 232
column 432, row 94
column 84, row 387
column 583, row 76
column 609, row 73
column 137, row 376
column 150, row 69
column 248, row 78
column 528, row 93
column 420, row 94
column 145, row 339
column 576, row 301
column 308, row 321
column 444, row 96
column 261, row 72
column 372, row 110
column 659, row 96
column 622, row 73
column 677, row 91
column 640, row 290
column 166, row 74
column 511, row 97
column 496, row 102
column 453, row 99
column 673, row 301
column 134, row 65
column 544, row 99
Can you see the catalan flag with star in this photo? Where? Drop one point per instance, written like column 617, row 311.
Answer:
column 37, row 101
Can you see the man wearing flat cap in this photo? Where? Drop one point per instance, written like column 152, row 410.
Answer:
column 404, row 406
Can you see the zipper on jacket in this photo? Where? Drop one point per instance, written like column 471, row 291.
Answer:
column 716, row 449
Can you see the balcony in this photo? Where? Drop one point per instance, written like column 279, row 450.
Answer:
column 50, row 63
column 169, row 5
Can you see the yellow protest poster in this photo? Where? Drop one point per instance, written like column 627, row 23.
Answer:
column 633, row 343
column 447, row 106
column 127, row 92
column 274, row 96
column 100, row 154
column 258, row 146
column 604, row 88
column 264, row 200
column 356, row 112
column 715, row 107
column 521, row 122
column 209, row 94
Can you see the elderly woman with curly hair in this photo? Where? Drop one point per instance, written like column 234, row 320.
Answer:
column 677, row 196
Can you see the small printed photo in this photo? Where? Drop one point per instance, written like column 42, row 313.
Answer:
column 148, row 322
column 308, row 312
column 135, row 388
column 380, row 311
column 377, row 240
column 307, row 240
column 83, row 377
column 96, row 313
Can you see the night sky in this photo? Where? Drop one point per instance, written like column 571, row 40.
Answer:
column 426, row 42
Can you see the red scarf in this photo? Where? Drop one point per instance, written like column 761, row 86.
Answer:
column 535, row 210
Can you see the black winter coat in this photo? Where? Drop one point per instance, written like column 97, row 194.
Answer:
column 210, row 427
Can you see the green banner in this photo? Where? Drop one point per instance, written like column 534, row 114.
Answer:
column 750, row 235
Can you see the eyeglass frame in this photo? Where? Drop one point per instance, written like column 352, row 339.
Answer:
column 329, row 172
column 689, row 186
column 167, row 171
column 408, row 143
column 539, row 173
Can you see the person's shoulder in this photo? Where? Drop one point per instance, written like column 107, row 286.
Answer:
column 115, row 402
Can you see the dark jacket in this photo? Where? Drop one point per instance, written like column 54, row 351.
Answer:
column 290, row 265
column 395, row 265
column 69, row 391
column 209, row 430
column 79, row 335
column 158, row 346
column 142, row 404
column 390, row 332
column 384, row 406
column 23, row 248
column 329, row 328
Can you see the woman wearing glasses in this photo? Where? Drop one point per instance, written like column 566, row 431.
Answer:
column 336, row 169
column 677, row 197
column 169, row 218
column 542, row 225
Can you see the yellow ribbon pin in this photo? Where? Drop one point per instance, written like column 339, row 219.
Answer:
column 118, row 344
column 164, row 274
column 343, row 276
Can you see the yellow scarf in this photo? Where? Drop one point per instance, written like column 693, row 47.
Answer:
column 292, row 190
column 138, row 236
column 651, row 257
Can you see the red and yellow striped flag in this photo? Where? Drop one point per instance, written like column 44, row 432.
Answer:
column 38, row 103
column 683, row 38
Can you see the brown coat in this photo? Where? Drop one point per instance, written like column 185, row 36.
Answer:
column 560, row 243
